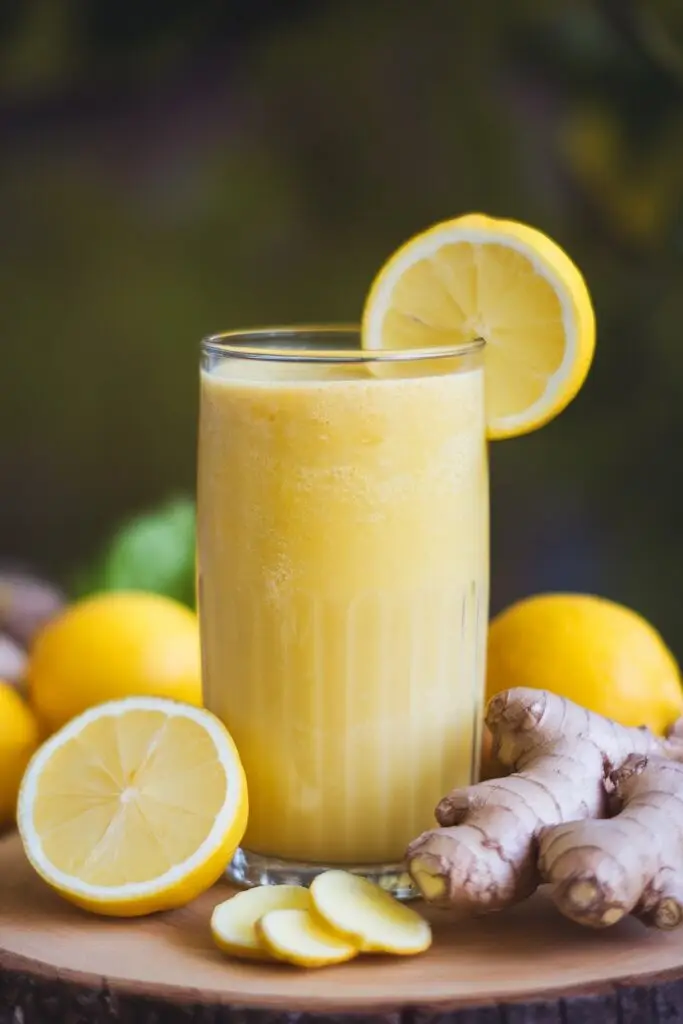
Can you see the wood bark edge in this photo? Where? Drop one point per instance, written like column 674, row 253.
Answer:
column 35, row 993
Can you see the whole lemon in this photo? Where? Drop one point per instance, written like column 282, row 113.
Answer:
column 18, row 740
column 113, row 645
column 591, row 650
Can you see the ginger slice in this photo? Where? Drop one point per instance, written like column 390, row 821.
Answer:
column 368, row 916
column 302, row 938
column 233, row 922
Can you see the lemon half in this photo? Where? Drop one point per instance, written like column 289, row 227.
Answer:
column 135, row 806
column 508, row 283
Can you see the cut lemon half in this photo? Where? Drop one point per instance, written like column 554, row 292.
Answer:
column 500, row 281
column 135, row 806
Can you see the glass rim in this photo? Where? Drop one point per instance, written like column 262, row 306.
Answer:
column 250, row 343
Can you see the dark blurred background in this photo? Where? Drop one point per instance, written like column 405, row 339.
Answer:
column 172, row 168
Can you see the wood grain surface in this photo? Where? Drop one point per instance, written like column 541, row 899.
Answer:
column 525, row 966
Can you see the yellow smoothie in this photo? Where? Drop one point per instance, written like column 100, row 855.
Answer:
column 343, row 549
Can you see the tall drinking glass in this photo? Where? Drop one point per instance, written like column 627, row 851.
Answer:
column 343, row 588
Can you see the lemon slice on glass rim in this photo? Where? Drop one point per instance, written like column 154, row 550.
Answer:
column 135, row 806
column 502, row 281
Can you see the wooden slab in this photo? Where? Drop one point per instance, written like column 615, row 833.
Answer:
column 527, row 965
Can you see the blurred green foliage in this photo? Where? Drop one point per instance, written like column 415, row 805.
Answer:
column 153, row 551
column 174, row 169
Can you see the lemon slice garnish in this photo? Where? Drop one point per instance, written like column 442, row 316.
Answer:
column 505, row 282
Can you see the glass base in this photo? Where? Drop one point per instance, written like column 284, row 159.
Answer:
column 250, row 869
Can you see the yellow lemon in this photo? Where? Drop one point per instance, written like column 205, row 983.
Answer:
column 595, row 652
column 110, row 646
column 18, row 740
column 135, row 806
column 502, row 281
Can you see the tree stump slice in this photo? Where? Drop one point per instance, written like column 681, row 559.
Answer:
column 60, row 965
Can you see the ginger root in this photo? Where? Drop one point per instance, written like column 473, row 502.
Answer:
column 632, row 863
column 484, row 856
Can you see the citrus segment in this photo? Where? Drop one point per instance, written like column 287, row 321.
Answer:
column 233, row 922
column 504, row 282
column 135, row 806
column 298, row 937
column 368, row 916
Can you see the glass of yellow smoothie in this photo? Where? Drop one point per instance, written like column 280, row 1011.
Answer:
column 343, row 589
column 343, row 537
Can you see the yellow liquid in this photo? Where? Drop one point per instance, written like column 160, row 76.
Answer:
column 343, row 545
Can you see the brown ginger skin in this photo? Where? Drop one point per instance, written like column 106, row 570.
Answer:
column 632, row 863
column 484, row 855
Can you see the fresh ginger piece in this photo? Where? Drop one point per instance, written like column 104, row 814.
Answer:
column 368, row 916
column 484, row 855
column 628, row 864
column 302, row 938
column 233, row 922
